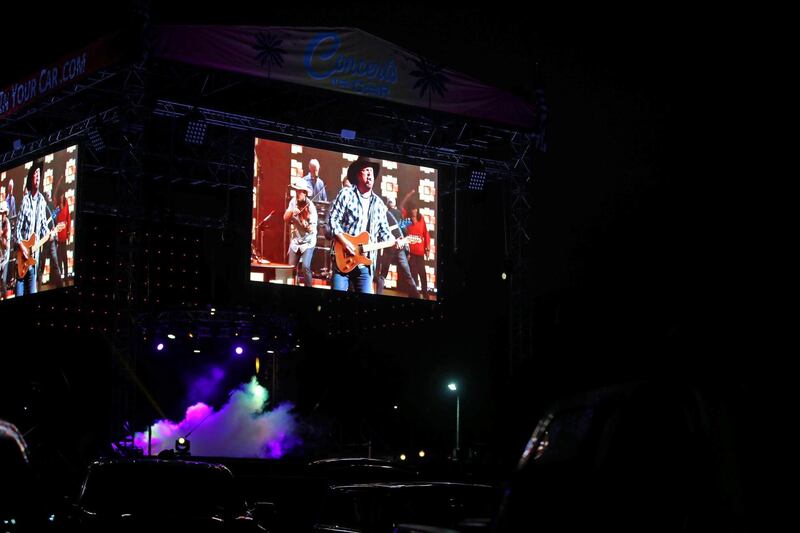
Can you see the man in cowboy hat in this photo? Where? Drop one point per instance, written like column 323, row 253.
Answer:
column 31, row 220
column 303, row 216
column 5, row 247
column 357, row 209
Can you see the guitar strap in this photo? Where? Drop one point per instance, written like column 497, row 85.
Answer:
column 371, row 255
column 41, row 223
column 369, row 214
column 394, row 222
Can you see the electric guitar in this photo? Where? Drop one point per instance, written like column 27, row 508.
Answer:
column 346, row 262
column 33, row 245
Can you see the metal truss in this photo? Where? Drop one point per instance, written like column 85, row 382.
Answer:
column 277, row 330
column 521, row 312
column 94, row 81
column 458, row 155
column 124, row 162
column 73, row 131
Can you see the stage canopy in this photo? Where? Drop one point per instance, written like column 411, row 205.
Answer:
column 346, row 60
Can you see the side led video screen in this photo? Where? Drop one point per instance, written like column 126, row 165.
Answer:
column 339, row 221
column 37, row 224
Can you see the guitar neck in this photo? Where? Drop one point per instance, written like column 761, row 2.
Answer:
column 47, row 237
column 378, row 245
column 40, row 242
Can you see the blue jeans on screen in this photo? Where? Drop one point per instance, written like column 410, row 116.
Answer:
column 404, row 281
column 27, row 285
column 360, row 277
column 304, row 268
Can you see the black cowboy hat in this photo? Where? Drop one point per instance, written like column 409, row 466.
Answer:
column 356, row 166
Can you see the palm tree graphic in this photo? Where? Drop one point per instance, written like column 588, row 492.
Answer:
column 431, row 78
column 269, row 51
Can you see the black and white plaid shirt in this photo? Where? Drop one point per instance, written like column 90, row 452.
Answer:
column 32, row 217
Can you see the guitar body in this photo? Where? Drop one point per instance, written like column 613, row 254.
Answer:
column 24, row 264
column 345, row 262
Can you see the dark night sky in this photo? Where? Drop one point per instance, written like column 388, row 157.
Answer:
column 625, row 234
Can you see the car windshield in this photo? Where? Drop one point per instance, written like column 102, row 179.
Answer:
column 440, row 505
column 156, row 488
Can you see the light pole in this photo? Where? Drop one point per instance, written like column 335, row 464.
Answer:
column 453, row 387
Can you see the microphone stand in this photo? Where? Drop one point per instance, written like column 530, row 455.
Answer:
column 261, row 225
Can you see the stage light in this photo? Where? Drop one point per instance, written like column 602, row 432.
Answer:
column 17, row 144
column 477, row 180
column 182, row 446
column 239, row 350
column 395, row 408
column 402, row 457
column 95, row 139
column 196, row 351
column 160, row 346
column 504, row 276
column 256, row 338
column 452, row 386
column 170, row 336
column 422, row 453
column 348, row 135
column 195, row 130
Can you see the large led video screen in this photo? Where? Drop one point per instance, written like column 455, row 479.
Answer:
column 37, row 224
column 340, row 221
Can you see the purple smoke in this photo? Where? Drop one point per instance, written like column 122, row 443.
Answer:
column 240, row 428
column 205, row 387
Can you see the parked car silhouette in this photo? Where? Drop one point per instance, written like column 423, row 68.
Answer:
column 383, row 507
column 644, row 456
column 19, row 510
column 134, row 494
